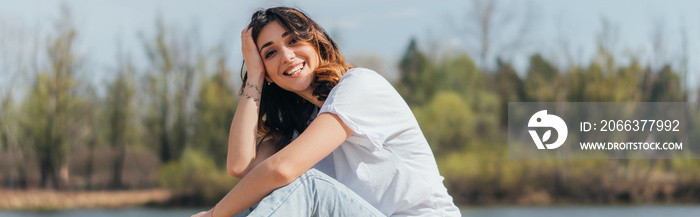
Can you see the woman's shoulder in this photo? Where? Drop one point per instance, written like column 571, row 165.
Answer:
column 362, row 76
column 362, row 84
column 359, row 71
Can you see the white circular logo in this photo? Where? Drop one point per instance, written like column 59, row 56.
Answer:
column 542, row 119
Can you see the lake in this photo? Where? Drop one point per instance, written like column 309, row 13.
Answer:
column 504, row 211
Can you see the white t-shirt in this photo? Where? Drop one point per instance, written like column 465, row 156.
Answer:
column 387, row 161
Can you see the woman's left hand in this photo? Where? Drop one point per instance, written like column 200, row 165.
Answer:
column 202, row 214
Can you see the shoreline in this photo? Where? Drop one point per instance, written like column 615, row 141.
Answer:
column 51, row 200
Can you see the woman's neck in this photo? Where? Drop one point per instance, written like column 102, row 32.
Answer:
column 309, row 96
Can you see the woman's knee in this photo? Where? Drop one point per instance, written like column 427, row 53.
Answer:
column 315, row 173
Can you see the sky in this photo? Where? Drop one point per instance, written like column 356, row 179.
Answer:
column 373, row 27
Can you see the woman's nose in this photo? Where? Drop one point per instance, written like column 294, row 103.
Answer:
column 288, row 54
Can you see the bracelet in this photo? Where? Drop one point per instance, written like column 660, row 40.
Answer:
column 212, row 209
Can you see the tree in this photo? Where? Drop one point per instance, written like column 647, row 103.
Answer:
column 414, row 83
column 447, row 122
column 458, row 74
column 16, row 52
column 93, row 131
column 626, row 82
column 37, row 129
column 53, row 104
column 171, row 68
column 120, row 113
column 215, row 109
column 496, row 30
column 665, row 86
column 542, row 81
column 509, row 87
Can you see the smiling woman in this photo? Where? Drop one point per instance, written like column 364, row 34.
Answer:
column 288, row 62
column 314, row 136
column 291, row 40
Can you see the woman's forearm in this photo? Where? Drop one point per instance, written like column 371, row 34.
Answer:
column 260, row 182
column 319, row 139
column 243, row 132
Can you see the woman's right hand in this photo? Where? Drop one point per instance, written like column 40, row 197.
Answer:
column 251, row 57
column 243, row 132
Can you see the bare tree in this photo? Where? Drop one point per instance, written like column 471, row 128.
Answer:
column 658, row 44
column 565, row 56
column 120, row 98
column 496, row 30
column 174, row 59
column 52, row 109
column 607, row 41
column 684, row 56
column 17, row 49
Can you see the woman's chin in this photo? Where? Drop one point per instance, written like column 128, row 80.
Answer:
column 297, row 85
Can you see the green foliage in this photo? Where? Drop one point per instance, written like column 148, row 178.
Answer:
column 542, row 80
column 665, row 86
column 119, row 104
column 509, row 87
column 196, row 174
column 44, row 128
column 447, row 122
column 625, row 83
column 415, row 83
column 172, row 65
column 120, row 112
column 37, row 105
column 8, row 121
column 463, row 113
column 458, row 74
column 54, row 105
column 215, row 109
column 451, row 99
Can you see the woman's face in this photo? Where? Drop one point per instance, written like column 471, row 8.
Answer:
column 289, row 63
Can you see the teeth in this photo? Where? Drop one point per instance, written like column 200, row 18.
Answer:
column 295, row 70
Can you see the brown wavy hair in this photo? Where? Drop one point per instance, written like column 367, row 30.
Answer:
column 282, row 113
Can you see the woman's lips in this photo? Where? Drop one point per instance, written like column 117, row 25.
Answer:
column 294, row 72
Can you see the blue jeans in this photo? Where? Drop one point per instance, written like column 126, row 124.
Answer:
column 312, row 194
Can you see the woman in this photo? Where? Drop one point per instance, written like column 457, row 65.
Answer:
column 335, row 140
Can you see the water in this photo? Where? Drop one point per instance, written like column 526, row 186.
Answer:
column 581, row 211
column 131, row 212
column 505, row 211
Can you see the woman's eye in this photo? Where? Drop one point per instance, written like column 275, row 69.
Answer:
column 292, row 41
column 269, row 54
